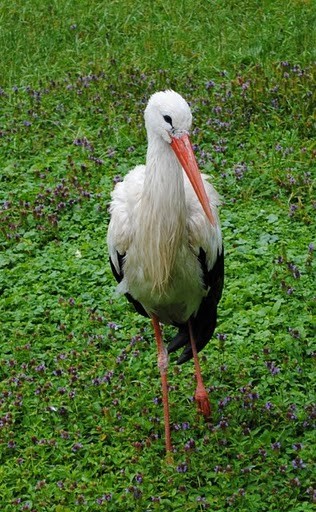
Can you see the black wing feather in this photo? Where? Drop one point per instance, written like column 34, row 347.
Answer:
column 119, row 276
column 204, row 322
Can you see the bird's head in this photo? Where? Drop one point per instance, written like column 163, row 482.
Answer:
column 169, row 117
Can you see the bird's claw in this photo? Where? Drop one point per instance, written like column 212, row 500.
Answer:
column 203, row 403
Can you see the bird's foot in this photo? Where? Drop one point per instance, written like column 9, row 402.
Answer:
column 169, row 457
column 203, row 402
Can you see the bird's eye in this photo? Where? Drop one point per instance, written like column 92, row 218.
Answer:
column 168, row 119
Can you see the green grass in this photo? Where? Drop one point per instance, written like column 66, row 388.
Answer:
column 45, row 39
column 80, row 414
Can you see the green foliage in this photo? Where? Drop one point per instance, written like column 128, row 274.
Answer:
column 80, row 413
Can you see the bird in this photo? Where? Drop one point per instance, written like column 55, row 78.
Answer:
column 165, row 242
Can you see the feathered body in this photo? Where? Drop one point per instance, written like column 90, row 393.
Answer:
column 164, row 252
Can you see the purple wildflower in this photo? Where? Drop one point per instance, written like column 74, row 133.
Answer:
column 312, row 493
column 76, row 447
column 210, row 84
column 182, row 467
column 189, row 445
column 276, row 445
column 295, row 482
column 297, row 446
column 298, row 463
column 113, row 326
column 104, row 498
column 274, row 370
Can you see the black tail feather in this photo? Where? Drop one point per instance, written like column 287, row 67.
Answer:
column 203, row 326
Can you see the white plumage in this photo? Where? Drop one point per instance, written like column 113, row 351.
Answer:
column 165, row 241
column 158, row 223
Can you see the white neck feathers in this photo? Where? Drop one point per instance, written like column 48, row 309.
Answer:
column 162, row 214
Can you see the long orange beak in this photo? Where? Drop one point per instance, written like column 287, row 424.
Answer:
column 184, row 152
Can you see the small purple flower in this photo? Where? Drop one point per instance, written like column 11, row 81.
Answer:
column 295, row 482
column 111, row 152
column 312, row 493
column 217, row 109
column 189, row 445
column 113, row 326
column 220, row 148
column 274, row 370
column 297, row 446
column 81, row 500
column 276, row 446
column 76, row 447
column 40, row 368
column 139, row 478
column 291, row 179
column 295, row 271
column 298, row 463
column 293, row 208
column 294, row 333
column 104, row 498
column 222, row 403
column 182, row 467
column 210, row 84
column 202, row 502
column 137, row 493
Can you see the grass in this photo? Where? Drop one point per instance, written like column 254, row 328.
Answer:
column 80, row 418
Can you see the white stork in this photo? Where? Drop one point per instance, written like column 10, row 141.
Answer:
column 165, row 241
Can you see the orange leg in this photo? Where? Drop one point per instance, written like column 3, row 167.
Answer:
column 201, row 395
column 163, row 366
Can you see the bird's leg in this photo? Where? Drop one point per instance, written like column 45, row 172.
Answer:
column 163, row 366
column 201, row 395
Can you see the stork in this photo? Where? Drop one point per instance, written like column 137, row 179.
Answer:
column 165, row 243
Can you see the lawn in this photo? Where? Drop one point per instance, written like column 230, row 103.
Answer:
column 80, row 404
